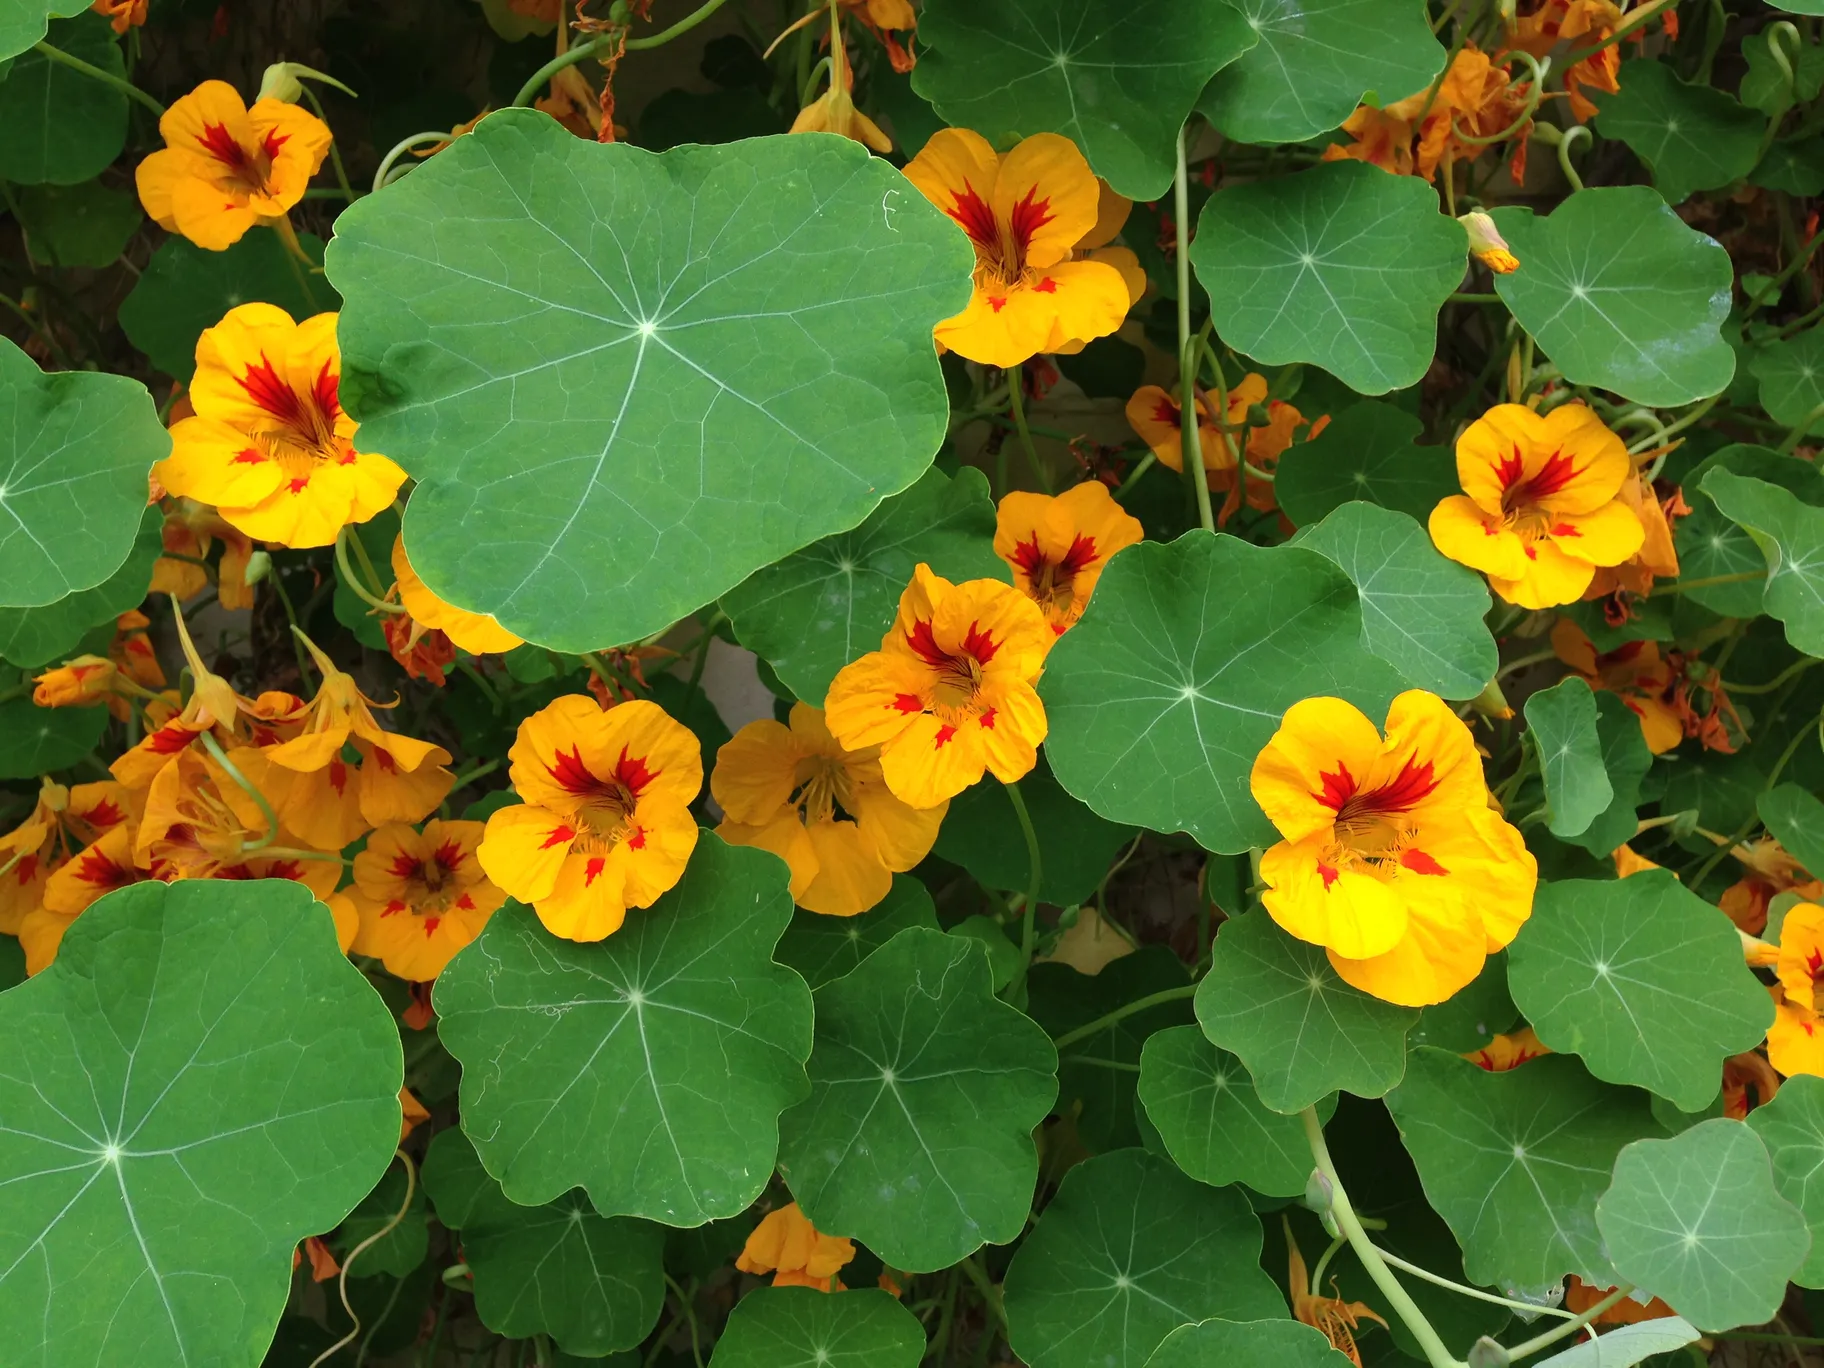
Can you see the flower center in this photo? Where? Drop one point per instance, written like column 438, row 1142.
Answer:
column 244, row 170
column 1000, row 246
column 301, row 431
column 822, row 789
column 1052, row 583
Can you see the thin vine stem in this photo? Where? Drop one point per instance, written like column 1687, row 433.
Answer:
column 127, row 88
column 1102, row 1023
column 1029, row 921
column 1016, row 401
column 217, row 754
column 1190, row 443
column 1465, row 1290
column 411, row 1187
column 1569, row 1327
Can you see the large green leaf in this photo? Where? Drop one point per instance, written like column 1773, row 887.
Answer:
column 31, row 637
column 593, row 1283
column 1693, row 137
column 1365, row 452
column 1698, row 1221
column 1790, row 535
column 1562, row 722
column 649, row 1068
column 23, row 23
column 1625, row 760
column 1116, row 77
column 63, row 126
column 1642, row 978
column 1791, row 375
column 1792, row 1128
column 801, row 1327
column 78, row 225
column 1711, row 546
column 1626, row 1345
column 822, row 948
column 917, row 1136
column 1212, row 1121
column 198, row 1081
column 1190, row 651
column 72, row 476
column 1622, row 295
column 1277, row 1343
column 1341, row 265
column 1315, row 61
column 1129, row 1250
column 625, row 381
column 1796, row 817
column 813, row 612
column 1303, row 1033
column 1515, row 1161
column 36, row 740
column 1421, row 613
column 399, row 1244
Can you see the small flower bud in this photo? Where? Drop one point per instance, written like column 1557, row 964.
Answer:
column 259, row 565
column 285, row 81
column 1486, row 244
column 1319, row 1194
column 1485, row 1353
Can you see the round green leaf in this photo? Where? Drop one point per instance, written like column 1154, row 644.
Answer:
column 23, row 23
column 1796, row 817
column 800, row 1327
column 593, row 1283
column 1365, row 452
column 1212, row 1121
column 1795, row 165
column 1341, row 265
column 1129, row 1250
column 62, row 125
column 1474, row 1015
column 1161, row 697
column 1562, row 722
column 813, row 612
column 1514, row 1161
column 625, row 381
column 1626, row 1345
column 1792, row 1128
column 649, row 1068
column 1642, row 978
column 1276, row 1343
column 31, row 637
column 36, row 740
column 1315, row 61
column 1773, row 85
column 73, row 476
column 1790, row 535
column 1693, row 137
column 1711, row 545
column 78, row 225
column 1303, row 1033
column 1698, row 1221
column 1622, row 295
column 1421, row 613
column 822, row 948
column 1791, row 375
column 917, row 1136
column 186, row 288
column 1625, row 760
column 198, row 1081
column 1116, row 77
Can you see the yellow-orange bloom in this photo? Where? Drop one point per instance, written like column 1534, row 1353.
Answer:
column 100, row 868
column 1486, row 244
column 1579, row 1297
column 1770, row 871
column 269, row 445
column 834, row 111
column 76, row 683
column 1024, row 214
column 1539, row 510
column 1744, row 1074
column 1392, row 859
column 604, row 823
column 476, row 633
column 1153, row 413
column 1633, row 672
column 63, row 820
column 191, row 529
column 1336, row 1318
column 788, row 1246
column 824, row 810
column 1505, row 1052
column 421, row 896
column 1658, row 554
column 950, row 692
column 225, row 167
column 1476, row 98
column 122, row 14
column 1057, row 547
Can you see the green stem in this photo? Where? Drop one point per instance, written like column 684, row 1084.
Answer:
column 1464, row 1289
column 582, row 52
column 479, row 680
column 683, row 26
column 1467, row 297
column 1102, row 1023
column 709, row 635
column 1681, row 586
column 690, row 1315
column 1145, row 464
column 1771, row 290
column 469, row 776
column 399, row 149
column 1798, row 667
column 232, row 770
column 335, row 152
column 1191, row 444
column 349, row 578
column 1799, row 432
column 297, row 632
column 991, row 1295
column 126, row 88
column 1029, row 926
column 1016, row 399
column 1370, row 1258
column 1678, row 426
column 1569, row 1327
column 1584, row 54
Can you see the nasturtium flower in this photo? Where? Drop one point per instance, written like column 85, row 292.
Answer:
column 1486, row 244
column 1392, row 859
column 1057, row 547
column 191, row 530
column 225, row 167
column 1262, row 429
column 1658, row 554
column 603, row 822
column 881, row 17
column 1590, row 23
column 822, row 809
column 1540, row 509
column 1770, row 871
column 1744, row 1075
column 834, row 111
column 476, row 633
column 1579, row 1297
column 421, row 896
column 950, row 692
column 98, row 869
column 270, row 445
column 1795, row 1041
column 1634, row 673
column 788, row 1246
column 1801, row 962
column 1337, row 1319
column 1475, row 98
column 122, row 14
column 77, row 683
column 62, row 820
column 1508, row 1051
column 1024, row 214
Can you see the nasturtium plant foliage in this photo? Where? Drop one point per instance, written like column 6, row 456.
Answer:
column 912, row 684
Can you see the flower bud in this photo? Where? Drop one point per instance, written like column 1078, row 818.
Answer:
column 1485, row 1353
column 259, row 565
column 76, row 683
column 285, row 81
column 1486, row 244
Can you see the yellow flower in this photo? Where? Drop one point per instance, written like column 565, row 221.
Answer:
column 1391, row 859
column 1504, row 1052
column 476, row 633
column 824, row 810
column 1024, row 214
column 421, row 896
column 1633, row 672
column 1057, row 547
column 604, row 823
column 77, row 683
column 788, row 1246
column 225, row 167
column 100, row 868
column 1539, row 510
column 269, row 444
column 950, row 692
column 834, row 111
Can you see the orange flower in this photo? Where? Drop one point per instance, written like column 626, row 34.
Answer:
column 1540, row 509
column 412, row 1113
column 1744, row 1074
column 422, row 896
column 788, row 1246
column 881, row 17
column 423, row 653
column 604, row 823
column 1338, row 1319
column 132, row 652
column 476, row 633
column 225, row 167
column 1506, row 1052
column 100, row 868
column 1795, row 1041
column 834, row 111
column 191, row 529
column 1057, row 547
column 1579, row 1297
column 1476, row 97
column 1486, row 244
column 270, row 446
column 121, row 14
column 1657, row 557
column 1271, row 427
column 63, row 820
column 950, row 692
column 77, row 683
column 1633, row 672
column 1592, row 21
column 1024, row 214
column 1770, row 872
column 1629, row 861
